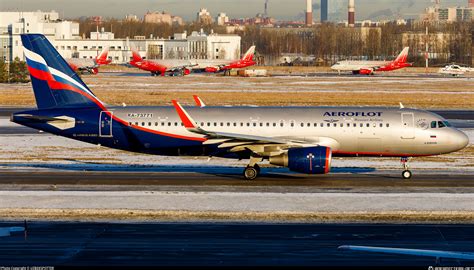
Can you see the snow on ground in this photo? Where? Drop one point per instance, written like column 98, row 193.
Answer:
column 237, row 201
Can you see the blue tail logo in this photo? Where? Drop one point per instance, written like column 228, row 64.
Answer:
column 55, row 84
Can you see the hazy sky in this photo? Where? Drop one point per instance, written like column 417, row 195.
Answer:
column 280, row 9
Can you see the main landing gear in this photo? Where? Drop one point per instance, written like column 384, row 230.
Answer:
column 406, row 174
column 252, row 171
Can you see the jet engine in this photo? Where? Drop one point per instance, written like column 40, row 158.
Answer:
column 366, row 72
column 212, row 69
column 309, row 160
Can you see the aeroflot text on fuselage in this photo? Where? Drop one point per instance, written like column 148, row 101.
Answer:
column 351, row 114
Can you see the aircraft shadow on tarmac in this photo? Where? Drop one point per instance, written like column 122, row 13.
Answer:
column 216, row 170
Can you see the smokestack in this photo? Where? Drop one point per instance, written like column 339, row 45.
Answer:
column 351, row 18
column 309, row 12
column 324, row 10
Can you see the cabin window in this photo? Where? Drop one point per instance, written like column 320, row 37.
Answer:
column 169, row 124
column 208, row 124
column 335, row 125
column 254, row 124
column 175, row 124
column 441, row 124
column 368, row 125
column 143, row 124
column 381, row 125
column 274, row 124
column 215, row 124
column 355, row 125
column 268, row 124
column 388, row 125
column 222, row 124
column 248, row 124
column 309, row 125
column 149, row 124
column 241, row 124
column 235, row 124
column 136, row 123
column 342, row 125
column 322, row 125
column 261, row 124
column 329, row 125
column 228, row 124
column 282, row 124
column 361, row 125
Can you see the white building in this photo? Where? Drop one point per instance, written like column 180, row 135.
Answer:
column 204, row 16
column 222, row 19
column 213, row 46
column 64, row 36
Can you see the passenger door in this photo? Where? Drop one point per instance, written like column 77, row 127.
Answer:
column 105, row 124
column 408, row 126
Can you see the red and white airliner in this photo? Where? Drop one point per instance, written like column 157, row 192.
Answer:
column 184, row 67
column 370, row 67
column 90, row 65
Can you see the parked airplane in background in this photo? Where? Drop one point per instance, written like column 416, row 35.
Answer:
column 304, row 139
column 370, row 67
column 184, row 67
column 90, row 65
column 455, row 70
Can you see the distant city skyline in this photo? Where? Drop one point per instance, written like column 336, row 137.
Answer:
column 279, row 9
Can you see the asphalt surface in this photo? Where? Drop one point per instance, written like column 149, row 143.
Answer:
column 231, row 181
column 108, row 244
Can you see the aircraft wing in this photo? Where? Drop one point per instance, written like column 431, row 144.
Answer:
column 224, row 137
column 414, row 252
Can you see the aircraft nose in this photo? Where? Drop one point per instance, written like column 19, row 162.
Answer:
column 461, row 140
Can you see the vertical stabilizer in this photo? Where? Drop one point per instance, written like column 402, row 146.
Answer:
column 55, row 83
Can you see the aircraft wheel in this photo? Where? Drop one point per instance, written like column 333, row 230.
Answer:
column 406, row 174
column 257, row 168
column 250, row 173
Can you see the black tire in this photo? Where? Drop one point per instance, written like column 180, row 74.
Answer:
column 250, row 173
column 257, row 168
column 407, row 174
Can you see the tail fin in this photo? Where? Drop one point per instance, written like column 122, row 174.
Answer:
column 248, row 56
column 403, row 56
column 102, row 59
column 54, row 82
column 135, row 55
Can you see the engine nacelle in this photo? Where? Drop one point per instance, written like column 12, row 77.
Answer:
column 310, row 160
column 212, row 69
column 366, row 72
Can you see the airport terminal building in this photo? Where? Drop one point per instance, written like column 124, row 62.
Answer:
column 64, row 35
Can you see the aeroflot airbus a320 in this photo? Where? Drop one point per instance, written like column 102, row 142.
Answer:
column 302, row 139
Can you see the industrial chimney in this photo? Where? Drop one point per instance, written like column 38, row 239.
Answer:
column 351, row 18
column 309, row 12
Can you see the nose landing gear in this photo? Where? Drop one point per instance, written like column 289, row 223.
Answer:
column 406, row 174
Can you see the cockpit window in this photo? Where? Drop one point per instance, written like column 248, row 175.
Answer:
column 440, row 124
